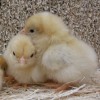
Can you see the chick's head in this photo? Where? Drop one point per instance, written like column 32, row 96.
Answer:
column 22, row 51
column 44, row 23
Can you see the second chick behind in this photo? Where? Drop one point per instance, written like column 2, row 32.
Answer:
column 63, row 57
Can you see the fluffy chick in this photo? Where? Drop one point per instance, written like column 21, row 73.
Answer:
column 20, row 57
column 63, row 57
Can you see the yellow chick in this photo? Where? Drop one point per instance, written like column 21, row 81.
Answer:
column 20, row 57
column 63, row 57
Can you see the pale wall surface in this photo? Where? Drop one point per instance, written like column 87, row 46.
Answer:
column 82, row 17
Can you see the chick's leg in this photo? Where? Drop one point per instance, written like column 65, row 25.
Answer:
column 60, row 87
column 10, row 81
column 52, row 84
column 21, row 85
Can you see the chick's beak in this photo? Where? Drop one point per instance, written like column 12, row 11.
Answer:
column 23, row 31
column 22, row 60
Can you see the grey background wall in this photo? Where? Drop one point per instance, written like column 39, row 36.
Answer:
column 81, row 16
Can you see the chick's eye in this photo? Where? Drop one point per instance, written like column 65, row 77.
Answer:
column 14, row 53
column 31, row 55
column 31, row 30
